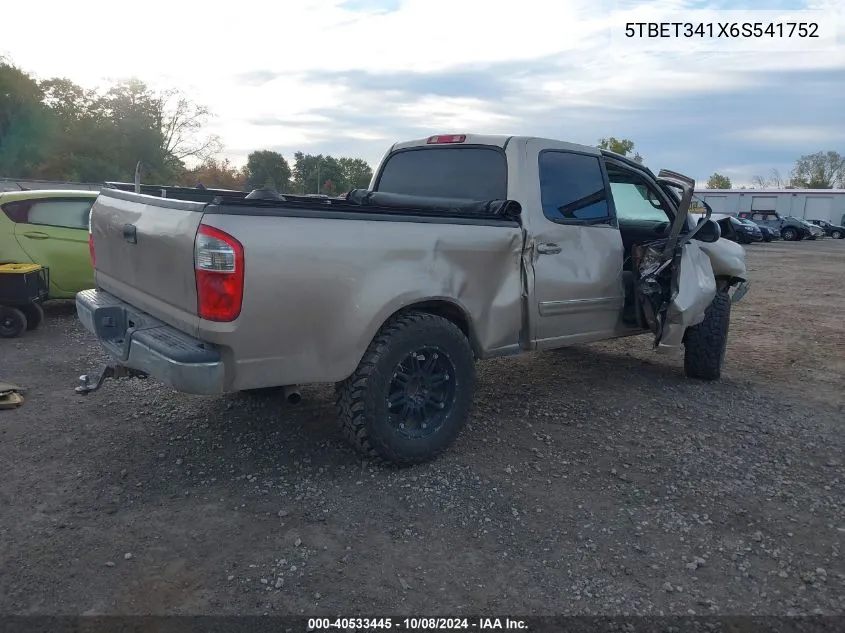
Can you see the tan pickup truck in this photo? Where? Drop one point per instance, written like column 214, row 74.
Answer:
column 463, row 248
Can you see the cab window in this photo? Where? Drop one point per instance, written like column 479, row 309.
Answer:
column 636, row 201
column 572, row 187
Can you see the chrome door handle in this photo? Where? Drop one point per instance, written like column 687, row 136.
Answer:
column 548, row 249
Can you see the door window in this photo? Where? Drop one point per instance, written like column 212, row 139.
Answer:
column 572, row 187
column 636, row 201
column 69, row 214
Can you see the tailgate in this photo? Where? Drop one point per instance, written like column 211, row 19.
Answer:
column 144, row 250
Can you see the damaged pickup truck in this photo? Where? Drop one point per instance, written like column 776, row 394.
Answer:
column 464, row 247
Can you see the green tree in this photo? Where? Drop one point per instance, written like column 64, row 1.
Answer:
column 311, row 174
column 78, row 147
column 822, row 170
column 67, row 100
column 215, row 174
column 266, row 168
column 718, row 181
column 55, row 129
column 131, row 119
column 619, row 146
column 357, row 173
column 24, row 122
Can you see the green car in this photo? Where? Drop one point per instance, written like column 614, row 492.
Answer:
column 49, row 227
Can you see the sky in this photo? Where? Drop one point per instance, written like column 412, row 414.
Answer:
column 351, row 77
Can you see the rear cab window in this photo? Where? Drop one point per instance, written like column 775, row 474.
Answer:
column 467, row 173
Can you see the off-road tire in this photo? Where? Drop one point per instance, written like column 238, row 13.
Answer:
column 789, row 234
column 34, row 315
column 705, row 344
column 12, row 322
column 362, row 399
column 837, row 235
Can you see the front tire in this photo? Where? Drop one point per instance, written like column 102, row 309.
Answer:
column 705, row 344
column 837, row 235
column 412, row 392
column 789, row 234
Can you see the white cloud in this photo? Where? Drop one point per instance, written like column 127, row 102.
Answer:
column 790, row 135
column 203, row 51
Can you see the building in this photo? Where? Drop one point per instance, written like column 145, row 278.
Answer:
column 808, row 204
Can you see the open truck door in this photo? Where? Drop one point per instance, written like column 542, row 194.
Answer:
column 675, row 279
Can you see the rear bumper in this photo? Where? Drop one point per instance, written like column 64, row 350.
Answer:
column 141, row 342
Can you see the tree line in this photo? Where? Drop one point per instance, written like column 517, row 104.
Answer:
column 53, row 129
column 822, row 170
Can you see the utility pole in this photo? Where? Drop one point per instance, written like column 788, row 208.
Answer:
column 318, row 175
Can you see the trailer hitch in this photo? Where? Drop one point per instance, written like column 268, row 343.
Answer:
column 89, row 383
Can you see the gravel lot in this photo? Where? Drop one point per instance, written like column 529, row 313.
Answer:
column 592, row 480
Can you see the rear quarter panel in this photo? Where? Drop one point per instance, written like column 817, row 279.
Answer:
column 317, row 290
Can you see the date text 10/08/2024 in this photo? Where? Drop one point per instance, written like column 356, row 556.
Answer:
column 803, row 30
column 416, row 624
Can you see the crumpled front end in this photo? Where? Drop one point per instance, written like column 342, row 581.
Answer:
column 695, row 288
column 672, row 294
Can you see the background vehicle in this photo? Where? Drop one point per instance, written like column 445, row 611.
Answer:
column 834, row 231
column 746, row 231
column 49, row 228
column 790, row 228
column 816, row 232
column 768, row 234
column 465, row 247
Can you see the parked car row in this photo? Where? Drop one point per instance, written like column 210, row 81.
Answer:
column 772, row 223
column 831, row 230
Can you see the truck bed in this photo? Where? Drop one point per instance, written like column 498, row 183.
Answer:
column 321, row 274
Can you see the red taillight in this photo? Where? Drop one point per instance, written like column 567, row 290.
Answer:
column 219, row 269
column 91, row 250
column 448, row 138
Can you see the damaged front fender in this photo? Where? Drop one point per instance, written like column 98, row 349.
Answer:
column 674, row 293
column 694, row 287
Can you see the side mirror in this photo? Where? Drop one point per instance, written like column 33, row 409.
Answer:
column 708, row 231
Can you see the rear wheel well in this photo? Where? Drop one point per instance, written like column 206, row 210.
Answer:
column 448, row 311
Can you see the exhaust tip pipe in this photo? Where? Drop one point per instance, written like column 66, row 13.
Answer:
column 292, row 394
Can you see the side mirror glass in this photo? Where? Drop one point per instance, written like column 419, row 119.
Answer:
column 708, row 231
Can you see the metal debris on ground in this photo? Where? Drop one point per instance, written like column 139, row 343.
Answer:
column 11, row 396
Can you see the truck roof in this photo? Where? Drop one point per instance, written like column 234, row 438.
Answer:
column 495, row 140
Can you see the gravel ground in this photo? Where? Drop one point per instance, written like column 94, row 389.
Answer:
column 591, row 480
